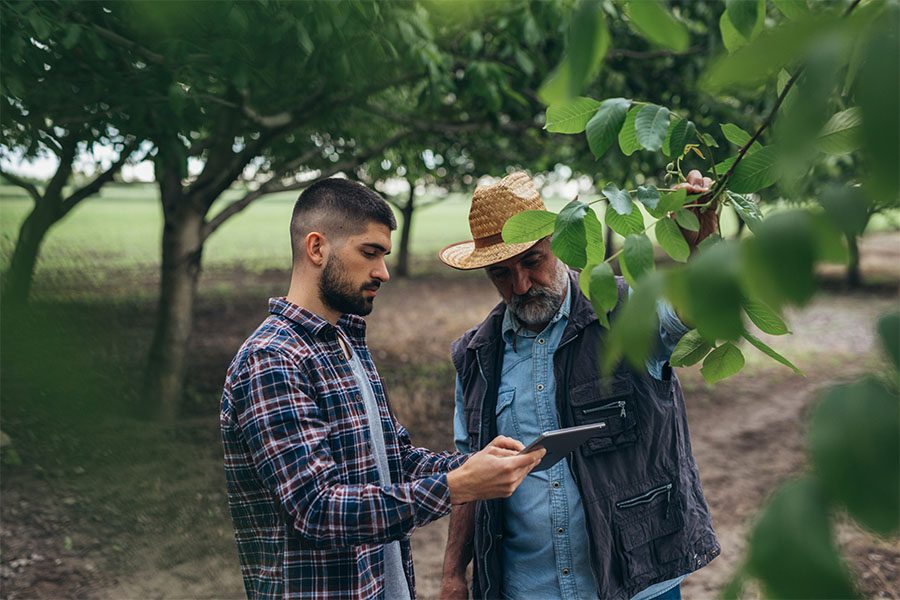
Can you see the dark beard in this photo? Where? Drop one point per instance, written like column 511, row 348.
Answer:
column 339, row 294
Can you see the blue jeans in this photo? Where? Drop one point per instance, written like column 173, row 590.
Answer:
column 673, row 594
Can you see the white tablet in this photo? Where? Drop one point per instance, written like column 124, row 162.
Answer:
column 560, row 442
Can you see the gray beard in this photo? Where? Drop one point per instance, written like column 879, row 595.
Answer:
column 538, row 305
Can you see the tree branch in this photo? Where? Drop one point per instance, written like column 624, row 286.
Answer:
column 98, row 182
column 273, row 185
column 719, row 187
column 54, row 188
column 28, row 187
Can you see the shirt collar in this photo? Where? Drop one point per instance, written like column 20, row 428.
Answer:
column 353, row 325
column 511, row 326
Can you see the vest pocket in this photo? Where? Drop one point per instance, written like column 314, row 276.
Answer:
column 649, row 527
column 611, row 401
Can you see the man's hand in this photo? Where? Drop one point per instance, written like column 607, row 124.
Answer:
column 454, row 587
column 494, row 472
column 709, row 220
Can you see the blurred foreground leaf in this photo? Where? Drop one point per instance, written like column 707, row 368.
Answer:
column 791, row 548
column 854, row 442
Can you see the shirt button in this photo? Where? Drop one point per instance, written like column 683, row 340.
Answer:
column 540, row 387
column 540, row 340
column 556, row 484
column 560, row 530
column 565, row 571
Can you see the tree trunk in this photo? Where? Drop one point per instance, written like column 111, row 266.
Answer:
column 20, row 274
column 405, row 232
column 182, row 247
column 854, row 275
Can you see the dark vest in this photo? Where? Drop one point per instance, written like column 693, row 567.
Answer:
column 646, row 515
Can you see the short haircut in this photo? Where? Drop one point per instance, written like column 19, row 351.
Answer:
column 337, row 208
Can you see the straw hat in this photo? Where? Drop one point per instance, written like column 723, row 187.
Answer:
column 492, row 205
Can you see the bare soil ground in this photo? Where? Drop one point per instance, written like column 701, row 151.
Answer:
column 98, row 504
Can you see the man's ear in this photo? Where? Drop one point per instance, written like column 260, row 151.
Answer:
column 317, row 248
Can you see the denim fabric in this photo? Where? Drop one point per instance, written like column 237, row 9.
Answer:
column 546, row 549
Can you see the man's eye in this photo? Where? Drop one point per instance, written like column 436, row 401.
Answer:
column 368, row 254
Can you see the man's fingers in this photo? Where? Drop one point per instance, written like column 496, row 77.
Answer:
column 501, row 441
column 707, row 182
column 695, row 177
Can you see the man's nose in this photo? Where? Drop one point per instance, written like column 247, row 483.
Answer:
column 381, row 273
column 521, row 282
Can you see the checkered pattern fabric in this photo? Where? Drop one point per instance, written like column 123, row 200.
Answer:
column 309, row 514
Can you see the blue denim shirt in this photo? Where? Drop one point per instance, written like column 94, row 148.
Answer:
column 544, row 520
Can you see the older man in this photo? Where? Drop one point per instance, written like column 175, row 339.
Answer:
column 625, row 516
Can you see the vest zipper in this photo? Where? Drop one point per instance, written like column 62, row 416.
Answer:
column 620, row 404
column 648, row 497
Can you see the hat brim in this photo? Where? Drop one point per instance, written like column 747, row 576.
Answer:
column 465, row 256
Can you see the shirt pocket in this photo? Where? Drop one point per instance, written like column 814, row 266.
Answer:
column 507, row 424
column 610, row 400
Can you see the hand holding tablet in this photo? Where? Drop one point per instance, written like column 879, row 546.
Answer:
column 560, row 442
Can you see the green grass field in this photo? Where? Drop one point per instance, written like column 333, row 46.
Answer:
column 119, row 231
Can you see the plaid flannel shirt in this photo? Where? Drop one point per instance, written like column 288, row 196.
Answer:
column 309, row 514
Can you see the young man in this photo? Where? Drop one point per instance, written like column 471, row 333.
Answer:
column 624, row 517
column 323, row 484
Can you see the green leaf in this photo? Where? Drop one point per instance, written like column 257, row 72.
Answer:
column 528, row 225
column 709, row 140
column 670, row 239
column 679, row 134
column 569, row 238
column 637, row 326
column 650, row 19
column 831, row 243
column 687, row 219
column 648, row 195
column 791, row 549
column 744, row 14
column 792, row 9
column 854, row 443
column 779, row 259
column 765, row 318
column 731, row 37
column 889, row 333
column 593, row 232
column 739, row 137
column 689, row 350
column 571, row 116
column 637, row 257
column 878, row 95
column 672, row 201
column 847, row 207
column 624, row 224
column 651, row 124
column 755, row 171
column 765, row 349
column 746, row 208
column 604, row 294
column 722, row 363
column 763, row 57
column 588, row 43
column 620, row 200
column 628, row 135
column 604, row 127
column 714, row 292
column 841, row 133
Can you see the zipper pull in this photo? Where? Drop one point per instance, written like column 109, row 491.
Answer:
column 668, row 502
column 622, row 406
